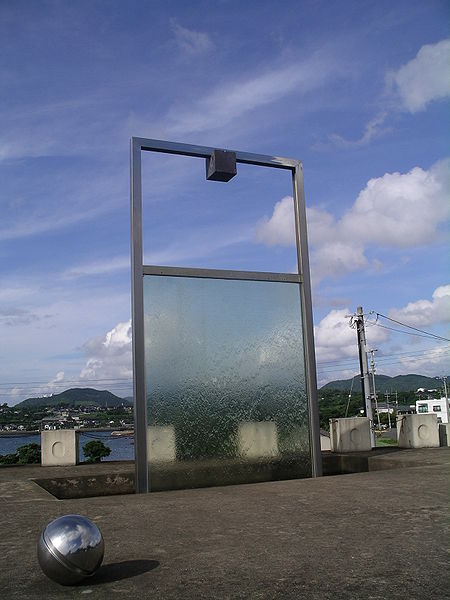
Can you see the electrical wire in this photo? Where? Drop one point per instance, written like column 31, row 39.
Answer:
column 400, row 331
column 385, row 361
column 119, row 379
column 350, row 360
column 439, row 337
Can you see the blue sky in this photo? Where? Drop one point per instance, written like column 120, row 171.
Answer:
column 359, row 91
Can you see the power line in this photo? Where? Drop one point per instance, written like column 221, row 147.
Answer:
column 70, row 381
column 423, row 352
column 384, row 360
column 439, row 337
column 400, row 331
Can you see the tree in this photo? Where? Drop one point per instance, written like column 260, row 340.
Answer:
column 96, row 450
column 24, row 455
column 29, row 454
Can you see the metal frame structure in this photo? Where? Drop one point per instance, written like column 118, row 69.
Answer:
column 138, row 270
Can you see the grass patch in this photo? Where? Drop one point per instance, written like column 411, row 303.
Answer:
column 385, row 442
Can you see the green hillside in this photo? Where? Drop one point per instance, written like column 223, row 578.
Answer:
column 76, row 397
column 384, row 383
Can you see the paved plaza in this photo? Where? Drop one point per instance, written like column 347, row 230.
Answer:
column 381, row 534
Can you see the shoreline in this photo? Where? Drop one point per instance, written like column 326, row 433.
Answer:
column 81, row 430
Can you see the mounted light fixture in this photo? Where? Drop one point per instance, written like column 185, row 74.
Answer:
column 221, row 165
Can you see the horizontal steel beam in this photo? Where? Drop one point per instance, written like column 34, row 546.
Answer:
column 248, row 158
column 221, row 274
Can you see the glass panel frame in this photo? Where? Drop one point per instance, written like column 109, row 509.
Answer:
column 137, row 146
column 225, row 379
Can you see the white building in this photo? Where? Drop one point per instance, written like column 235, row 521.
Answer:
column 434, row 406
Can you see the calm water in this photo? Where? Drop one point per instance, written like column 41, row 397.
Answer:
column 122, row 448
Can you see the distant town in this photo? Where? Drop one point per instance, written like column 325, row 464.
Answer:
column 87, row 408
column 33, row 419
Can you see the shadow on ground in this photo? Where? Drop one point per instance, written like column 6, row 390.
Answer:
column 120, row 570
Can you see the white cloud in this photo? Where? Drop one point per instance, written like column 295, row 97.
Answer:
column 116, row 263
column 109, row 356
column 432, row 363
column 424, row 78
column 85, row 198
column 373, row 129
column 337, row 349
column 51, row 323
column 336, row 259
column 54, row 386
column 336, row 340
column 413, row 86
column 395, row 210
column 191, row 42
column 426, row 312
column 228, row 102
column 46, row 222
column 15, row 292
column 280, row 228
column 401, row 210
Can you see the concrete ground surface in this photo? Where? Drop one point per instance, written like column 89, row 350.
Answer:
column 382, row 534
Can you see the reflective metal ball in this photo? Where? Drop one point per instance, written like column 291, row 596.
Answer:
column 70, row 548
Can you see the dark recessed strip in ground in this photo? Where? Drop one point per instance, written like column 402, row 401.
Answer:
column 210, row 473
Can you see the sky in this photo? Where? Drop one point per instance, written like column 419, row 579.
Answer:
column 358, row 91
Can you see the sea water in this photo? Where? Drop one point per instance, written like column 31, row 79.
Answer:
column 122, row 447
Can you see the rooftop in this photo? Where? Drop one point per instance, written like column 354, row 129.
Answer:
column 372, row 535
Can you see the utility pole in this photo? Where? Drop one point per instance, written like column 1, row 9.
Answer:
column 387, row 402
column 358, row 319
column 444, row 379
column 349, row 396
column 372, row 366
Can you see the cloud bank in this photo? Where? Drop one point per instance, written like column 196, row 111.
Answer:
column 393, row 211
column 424, row 78
column 191, row 42
column 109, row 356
column 426, row 312
column 232, row 100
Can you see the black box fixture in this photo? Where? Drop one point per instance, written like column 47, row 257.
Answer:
column 221, row 165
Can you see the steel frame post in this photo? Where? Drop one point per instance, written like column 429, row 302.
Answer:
column 307, row 318
column 137, row 320
column 138, row 269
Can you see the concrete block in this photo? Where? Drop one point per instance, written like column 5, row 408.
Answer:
column 350, row 435
column 161, row 446
column 417, row 431
column 257, row 439
column 59, row 447
column 444, row 434
column 325, row 442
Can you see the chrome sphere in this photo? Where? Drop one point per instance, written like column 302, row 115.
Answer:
column 70, row 548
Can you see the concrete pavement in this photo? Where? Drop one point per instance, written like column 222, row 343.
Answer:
column 372, row 535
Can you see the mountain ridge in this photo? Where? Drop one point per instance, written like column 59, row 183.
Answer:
column 76, row 397
column 384, row 383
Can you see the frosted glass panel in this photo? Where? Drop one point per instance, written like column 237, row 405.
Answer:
column 225, row 382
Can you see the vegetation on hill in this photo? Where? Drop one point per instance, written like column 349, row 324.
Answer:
column 76, row 397
column 333, row 404
column 384, row 383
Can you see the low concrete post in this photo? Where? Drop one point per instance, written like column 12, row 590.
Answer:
column 417, row 431
column 59, row 447
column 161, row 445
column 350, row 435
column 325, row 440
column 257, row 439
